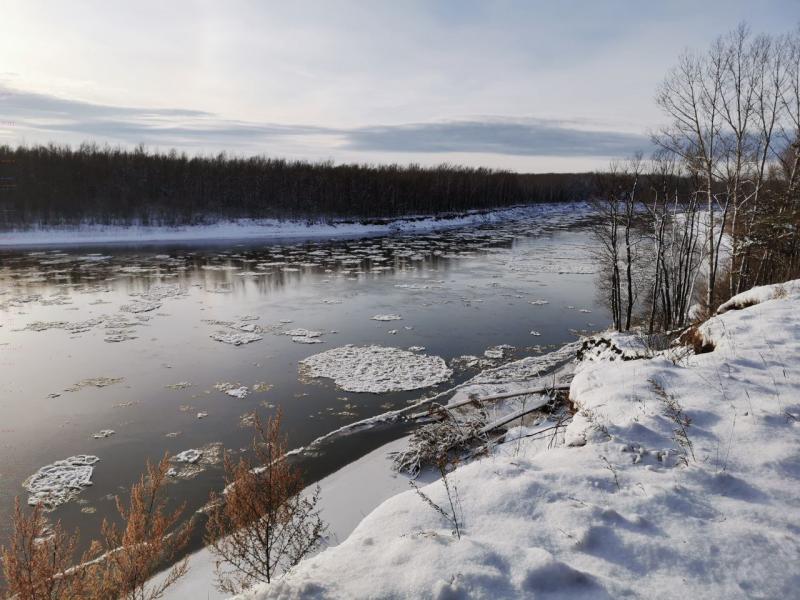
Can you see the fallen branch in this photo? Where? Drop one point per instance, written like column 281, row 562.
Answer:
column 501, row 396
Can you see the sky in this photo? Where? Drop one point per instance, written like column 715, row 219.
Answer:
column 528, row 86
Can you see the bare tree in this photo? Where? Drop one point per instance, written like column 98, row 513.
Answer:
column 691, row 96
column 37, row 562
column 263, row 524
column 152, row 538
column 615, row 207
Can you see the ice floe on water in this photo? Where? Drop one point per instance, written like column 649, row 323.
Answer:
column 386, row 318
column 99, row 382
column 103, row 433
column 193, row 461
column 235, row 339
column 60, row 482
column 238, row 392
column 305, row 336
column 140, row 306
column 305, row 339
column 187, row 456
column 376, row 369
column 234, row 390
column 181, row 385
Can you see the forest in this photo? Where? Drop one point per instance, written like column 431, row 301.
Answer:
column 58, row 184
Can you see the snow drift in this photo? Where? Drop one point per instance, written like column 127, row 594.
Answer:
column 679, row 476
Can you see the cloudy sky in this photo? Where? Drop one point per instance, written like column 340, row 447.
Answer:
column 530, row 86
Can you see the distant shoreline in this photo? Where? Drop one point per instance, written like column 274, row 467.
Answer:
column 263, row 229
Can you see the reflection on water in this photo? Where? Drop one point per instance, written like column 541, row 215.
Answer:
column 125, row 353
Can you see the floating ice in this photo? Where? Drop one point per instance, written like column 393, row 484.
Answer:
column 94, row 382
column 303, row 339
column 194, row 461
column 539, row 302
column 103, row 433
column 235, row 339
column 377, row 369
column 304, row 336
column 416, row 348
column 118, row 335
column 140, row 306
column 303, row 333
column 386, row 318
column 187, row 456
column 238, row 392
column 181, row 385
column 535, row 333
column 61, row 481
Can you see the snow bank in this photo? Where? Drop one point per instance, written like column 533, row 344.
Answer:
column 376, row 369
column 679, row 476
column 760, row 294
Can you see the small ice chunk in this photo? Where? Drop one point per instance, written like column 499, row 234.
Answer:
column 188, row 456
column 238, row 392
column 181, row 385
column 103, row 433
column 303, row 333
column 235, row 339
column 386, row 318
column 304, row 339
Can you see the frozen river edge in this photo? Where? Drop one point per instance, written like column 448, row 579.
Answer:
column 265, row 229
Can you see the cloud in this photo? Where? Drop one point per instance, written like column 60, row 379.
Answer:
column 61, row 119
column 521, row 137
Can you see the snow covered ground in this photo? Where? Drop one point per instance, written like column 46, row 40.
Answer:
column 679, row 477
column 241, row 229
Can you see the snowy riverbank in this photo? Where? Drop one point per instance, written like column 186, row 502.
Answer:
column 267, row 229
column 678, row 477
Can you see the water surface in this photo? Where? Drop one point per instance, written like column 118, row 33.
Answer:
column 459, row 292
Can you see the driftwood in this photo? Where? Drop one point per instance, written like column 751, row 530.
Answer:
column 438, row 439
column 493, row 397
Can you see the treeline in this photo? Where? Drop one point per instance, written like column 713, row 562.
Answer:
column 59, row 184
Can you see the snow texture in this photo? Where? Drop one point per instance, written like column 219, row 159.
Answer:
column 678, row 477
column 377, row 369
